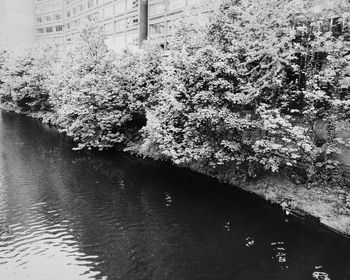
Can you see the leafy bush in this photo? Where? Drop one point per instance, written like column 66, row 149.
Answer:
column 248, row 90
column 99, row 96
column 23, row 79
column 247, row 94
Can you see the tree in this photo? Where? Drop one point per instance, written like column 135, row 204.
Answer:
column 23, row 79
column 99, row 96
column 247, row 97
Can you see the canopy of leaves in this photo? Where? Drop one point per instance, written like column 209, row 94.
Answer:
column 99, row 96
column 250, row 90
column 246, row 86
column 23, row 79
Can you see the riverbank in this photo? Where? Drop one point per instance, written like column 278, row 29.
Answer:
column 227, row 108
column 330, row 207
column 107, row 214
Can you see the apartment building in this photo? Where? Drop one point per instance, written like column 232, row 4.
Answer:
column 126, row 22
column 59, row 20
column 49, row 21
column 161, row 16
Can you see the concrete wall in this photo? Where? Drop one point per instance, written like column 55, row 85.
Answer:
column 16, row 23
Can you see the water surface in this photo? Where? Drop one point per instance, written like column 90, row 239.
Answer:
column 70, row 215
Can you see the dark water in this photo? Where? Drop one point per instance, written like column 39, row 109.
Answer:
column 68, row 215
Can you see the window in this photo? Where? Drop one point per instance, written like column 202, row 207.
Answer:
column 131, row 39
column 109, row 28
column 131, row 4
column 120, row 25
column 119, row 42
column 40, row 30
column 109, row 41
column 119, row 7
column 176, row 4
column 81, row 7
column 98, row 15
column 157, row 8
column 108, row 11
column 48, row 18
column 74, row 11
column 69, row 13
column 77, row 22
column 59, row 28
column 49, row 29
column 157, row 28
column 57, row 16
column 131, row 22
column 39, row 20
column 90, row 4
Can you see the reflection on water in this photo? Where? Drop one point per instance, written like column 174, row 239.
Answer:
column 69, row 215
column 32, row 246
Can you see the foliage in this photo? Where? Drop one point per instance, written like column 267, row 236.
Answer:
column 190, row 31
column 3, row 55
column 23, row 79
column 246, row 87
column 99, row 96
column 248, row 96
column 193, row 120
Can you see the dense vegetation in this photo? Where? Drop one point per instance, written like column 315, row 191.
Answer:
column 258, row 86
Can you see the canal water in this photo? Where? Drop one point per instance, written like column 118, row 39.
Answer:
column 69, row 215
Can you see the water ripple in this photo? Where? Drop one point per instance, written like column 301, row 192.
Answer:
column 77, row 216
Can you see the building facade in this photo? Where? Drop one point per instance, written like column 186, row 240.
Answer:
column 59, row 20
column 162, row 15
column 126, row 22
column 49, row 21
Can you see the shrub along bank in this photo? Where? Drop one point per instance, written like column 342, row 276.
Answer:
column 251, row 89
